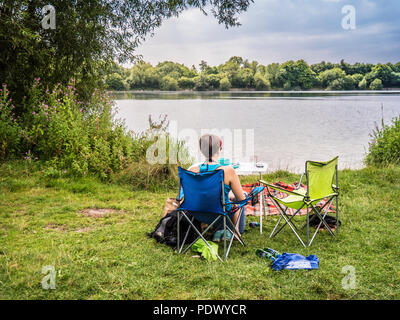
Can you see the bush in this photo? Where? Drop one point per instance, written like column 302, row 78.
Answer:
column 10, row 131
column 287, row 86
column 144, row 173
column 186, row 83
column 168, row 83
column 363, row 84
column 327, row 78
column 73, row 136
column 201, row 83
column 345, row 83
column 261, row 83
column 385, row 146
column 213, row 81
column 376, row 84
column 224, row 84
column 115, row 81
column 396, row 80
column 357, row 78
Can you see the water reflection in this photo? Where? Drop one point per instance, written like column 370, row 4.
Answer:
column 289, row 127
column 178, row 95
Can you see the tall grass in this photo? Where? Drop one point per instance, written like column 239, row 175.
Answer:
column 78, row 138
column 384, row 149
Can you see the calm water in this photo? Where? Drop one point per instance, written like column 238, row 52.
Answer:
column 289, row 128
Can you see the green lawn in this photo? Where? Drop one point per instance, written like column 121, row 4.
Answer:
column 110, row 257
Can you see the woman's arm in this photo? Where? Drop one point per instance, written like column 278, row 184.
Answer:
column 235, row 184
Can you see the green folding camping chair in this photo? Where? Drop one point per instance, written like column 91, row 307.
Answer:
column 322, row 184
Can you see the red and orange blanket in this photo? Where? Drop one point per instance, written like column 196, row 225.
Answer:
column 253, row 209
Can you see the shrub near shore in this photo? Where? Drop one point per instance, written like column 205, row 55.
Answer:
column 73, row 137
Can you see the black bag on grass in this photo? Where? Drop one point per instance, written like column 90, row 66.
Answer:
column 166, row 230
column 331, row 221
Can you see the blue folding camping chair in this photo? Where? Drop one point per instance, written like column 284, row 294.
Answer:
column 203, row 197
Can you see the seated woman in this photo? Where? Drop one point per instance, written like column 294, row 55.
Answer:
column 210, row 147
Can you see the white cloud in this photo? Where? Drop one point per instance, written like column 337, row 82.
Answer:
column 280, row 30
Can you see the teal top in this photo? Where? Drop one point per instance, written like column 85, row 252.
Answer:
column 227, row 188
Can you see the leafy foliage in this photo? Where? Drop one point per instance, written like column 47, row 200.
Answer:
column 297, row 74
column 376, row 84
column 384, row 148
column 75, row 137
column 239, row 73
column 89, row 36
column 10, row 131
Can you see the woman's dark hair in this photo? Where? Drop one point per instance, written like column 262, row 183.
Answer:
column 209, row 144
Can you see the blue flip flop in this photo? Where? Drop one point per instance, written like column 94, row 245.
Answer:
column 228, row 235
column 217, row 236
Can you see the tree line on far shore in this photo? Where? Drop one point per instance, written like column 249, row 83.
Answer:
column 238, row 73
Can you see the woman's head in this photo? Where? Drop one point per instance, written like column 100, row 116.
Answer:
column 210, row 145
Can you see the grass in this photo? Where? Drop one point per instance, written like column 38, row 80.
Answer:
column 111, row 257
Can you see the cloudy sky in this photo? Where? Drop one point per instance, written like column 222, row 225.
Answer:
column 280, row 30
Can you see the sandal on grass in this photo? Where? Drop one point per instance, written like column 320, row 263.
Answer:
column 228, row 235
column 217, row 235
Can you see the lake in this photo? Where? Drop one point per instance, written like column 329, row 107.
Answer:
column 288, row 128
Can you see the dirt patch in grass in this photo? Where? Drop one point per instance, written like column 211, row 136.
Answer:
column 63, row 228
column 98, row 213
column 86, row 229
column 57, row 227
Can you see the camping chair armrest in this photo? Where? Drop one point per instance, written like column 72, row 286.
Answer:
column 280, row 189
column 335, row 187
column 327, row 196
column 299, row 184
column 251, row 195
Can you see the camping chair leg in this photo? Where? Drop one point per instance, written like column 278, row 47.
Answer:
column 322, row 218
column 276, row 226
column 225, row 238
column 320, row 223
column 288, row 222
column 204, row 232
column 200, row 235
column 261, row 217
column 234, row 231
column 314, row 216
column 265, row 206
column 283, row 214
column 234, row 234
column 262, row 209
column 311, row 220
column 290, row 219
column 186, row 235
column 298, row 237
column 337, row 201
column 308, row 226
column 178, row 230
column 337, row 215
